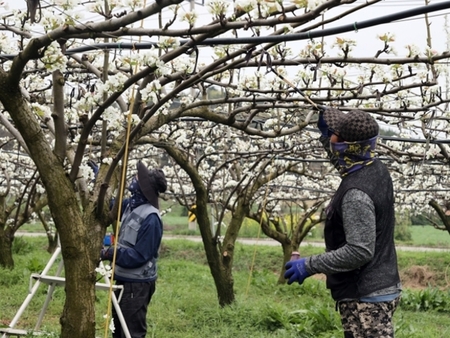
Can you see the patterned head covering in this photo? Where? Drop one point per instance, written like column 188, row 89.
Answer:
column 332, row 117
column 356, row 125
column 151, row 182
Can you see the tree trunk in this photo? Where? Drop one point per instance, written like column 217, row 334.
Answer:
column 220, row 259
column 6, row 258
column 221, row 262
column 225, row 288
column 80, row 246
column 223, row 279
column 52, row 242
column 52, row 239
column 7, row 232
column 287, row 251
column 80, row 237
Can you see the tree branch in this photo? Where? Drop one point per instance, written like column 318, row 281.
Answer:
column 444, row 218
column 58, row 115
column 34, row 48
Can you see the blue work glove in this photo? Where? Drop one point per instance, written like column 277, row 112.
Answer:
column 296, row 271
column 93, row 166
column 322, row 125
column 108, row 240
column 107, row 254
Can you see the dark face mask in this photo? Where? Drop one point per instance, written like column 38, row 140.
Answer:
column 134, row 186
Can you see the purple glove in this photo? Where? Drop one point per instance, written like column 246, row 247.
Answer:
column 107, row 254
column 296, row 271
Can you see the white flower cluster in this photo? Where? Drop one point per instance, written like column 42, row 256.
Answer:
column 255, row 8
column 221, row 51
column 344, row 44
column 260, row 80
column 183, row 63
column 97, row 5
column 104, row 270
column 44, row 112
column 107, row 160
column 429, row 52
column 246, row 5
column 133, row 4
column 167, row 42
column 217, row 7
column 413, row 51
column 14, row 166
column 66, row 4
column 34, row 82
column 52, row 20
column 4, row 160
column 149, row 93
column 5, row 44
column 115, row 120
column 312, row 48
column 54, row 59
column 113, row 84
column 189, row 17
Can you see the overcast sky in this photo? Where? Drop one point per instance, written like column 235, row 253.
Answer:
column 406, row 31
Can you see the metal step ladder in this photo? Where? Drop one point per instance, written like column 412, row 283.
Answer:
column 53, row 281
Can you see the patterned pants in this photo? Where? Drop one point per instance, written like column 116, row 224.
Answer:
column 368, row 320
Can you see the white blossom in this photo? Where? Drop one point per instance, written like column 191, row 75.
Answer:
column 54, row 59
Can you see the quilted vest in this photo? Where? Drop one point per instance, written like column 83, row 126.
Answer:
column 382, row 271
column 131, row 223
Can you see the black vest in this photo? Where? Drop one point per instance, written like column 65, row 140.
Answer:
column 382, row 271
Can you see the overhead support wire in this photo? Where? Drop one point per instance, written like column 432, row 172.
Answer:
column 355, row 26
column 383, row 137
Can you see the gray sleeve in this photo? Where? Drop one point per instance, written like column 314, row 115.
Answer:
column 360, row 232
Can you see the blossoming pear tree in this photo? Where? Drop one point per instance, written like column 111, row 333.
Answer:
column 232, row 122
column 22, row 198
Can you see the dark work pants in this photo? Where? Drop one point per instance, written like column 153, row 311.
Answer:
column 134, row 303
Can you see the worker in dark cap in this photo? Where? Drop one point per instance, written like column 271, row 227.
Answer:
column 137, row 250
column 360, row 261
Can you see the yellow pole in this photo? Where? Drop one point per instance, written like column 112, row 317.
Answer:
column 122, row 188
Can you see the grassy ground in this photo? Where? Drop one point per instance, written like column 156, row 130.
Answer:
column 429, row 236
column 185, row 304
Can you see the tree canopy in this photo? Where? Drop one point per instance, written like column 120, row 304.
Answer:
column 228, row 114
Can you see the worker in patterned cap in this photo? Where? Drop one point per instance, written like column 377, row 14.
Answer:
column 137, row 250
column 360, row 261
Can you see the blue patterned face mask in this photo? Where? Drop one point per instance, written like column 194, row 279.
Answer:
column 353, row 156
column 134, row 186
column 137, row 197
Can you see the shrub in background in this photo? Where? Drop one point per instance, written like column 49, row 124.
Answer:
column 402, row 227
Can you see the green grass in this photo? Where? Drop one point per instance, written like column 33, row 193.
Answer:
column 185, row 304
column 429, row 236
